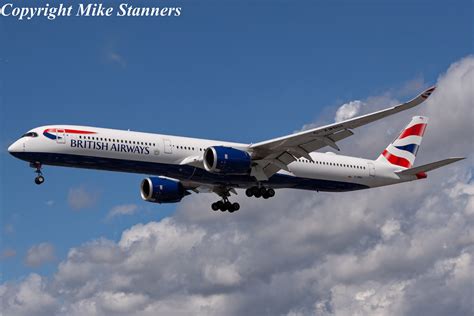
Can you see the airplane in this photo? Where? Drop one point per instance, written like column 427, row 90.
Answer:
column 181, row 165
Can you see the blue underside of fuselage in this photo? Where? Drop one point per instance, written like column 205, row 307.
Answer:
column 184, row 172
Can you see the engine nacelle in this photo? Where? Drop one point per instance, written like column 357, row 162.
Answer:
column 162, row 190
column 226, row 160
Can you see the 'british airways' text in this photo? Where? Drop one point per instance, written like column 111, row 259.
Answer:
column 124, row 148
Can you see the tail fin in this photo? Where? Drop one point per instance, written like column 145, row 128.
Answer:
column 402, row 151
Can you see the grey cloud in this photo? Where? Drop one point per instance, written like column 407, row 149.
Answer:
column 402, row 250
column 40, row 254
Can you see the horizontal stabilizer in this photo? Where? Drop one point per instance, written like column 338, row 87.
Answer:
column 429, row 167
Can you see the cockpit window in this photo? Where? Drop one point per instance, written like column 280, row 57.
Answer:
column 30, row 134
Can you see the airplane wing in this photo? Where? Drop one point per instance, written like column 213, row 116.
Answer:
column 273, row 155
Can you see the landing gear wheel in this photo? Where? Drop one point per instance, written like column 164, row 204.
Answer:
column 219, row 205
column 235, row 207
column 39, row 175
column 271, row 192
column 222, row 206
column 256, row 192
column 39, row 180
column 260, row 192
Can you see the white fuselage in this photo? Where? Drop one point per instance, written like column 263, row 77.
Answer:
column 178, row 157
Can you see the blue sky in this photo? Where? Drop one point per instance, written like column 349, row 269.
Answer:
column 241, row 71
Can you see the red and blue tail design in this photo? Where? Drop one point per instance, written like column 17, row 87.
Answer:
column 402, row 151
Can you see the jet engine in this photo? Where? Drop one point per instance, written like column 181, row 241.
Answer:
column 162, row 190
column 226, row 160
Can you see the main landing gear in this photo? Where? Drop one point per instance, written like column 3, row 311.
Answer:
column 39, row 175
column 260, row 192
column 224, row 192
column 225, row 205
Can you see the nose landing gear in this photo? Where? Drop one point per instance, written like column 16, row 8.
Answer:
column 39, row 175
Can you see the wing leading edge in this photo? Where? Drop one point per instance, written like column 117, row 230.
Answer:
column 276, row 154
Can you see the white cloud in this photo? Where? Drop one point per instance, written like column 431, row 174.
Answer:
column 40, row 254
column 348, row 110
column 116, row 58
column 29, row 297
column 120, row 302
column 80, row 198
column 224, row 274
column 370, row 298
column 126, row 209
column 390, row 228
column 403, row 250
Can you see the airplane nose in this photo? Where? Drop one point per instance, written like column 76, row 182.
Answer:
column 15, row 147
